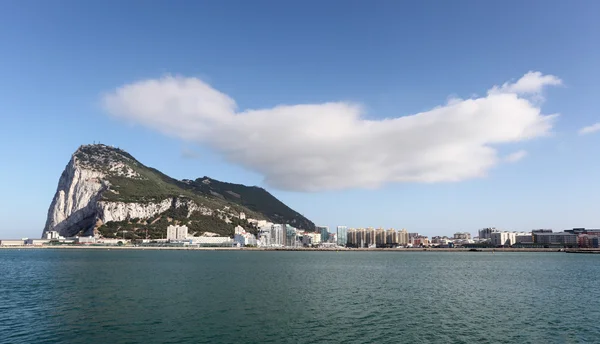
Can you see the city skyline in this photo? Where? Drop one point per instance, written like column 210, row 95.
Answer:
column 385, row 116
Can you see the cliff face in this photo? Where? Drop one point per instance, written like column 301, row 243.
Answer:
column 104, row 189
column 75, row 202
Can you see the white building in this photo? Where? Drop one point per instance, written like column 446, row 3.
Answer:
column 309, row 239
column 486, row 233
column 9, row 242
column 86, row 240
column 278, row 235
column 503, row 238
column 245, row 239
column 332, row 238
column 239, row 229
column 524, row 238
column 216, row 241
column 37, row 242
column 50, row 235
column 264, row 236
column 177, row 233
column 111, row 241
column 462, row 235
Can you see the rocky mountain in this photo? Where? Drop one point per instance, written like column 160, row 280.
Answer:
column 104, row 191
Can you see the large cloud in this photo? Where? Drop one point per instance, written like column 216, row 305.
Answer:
column 312, row 147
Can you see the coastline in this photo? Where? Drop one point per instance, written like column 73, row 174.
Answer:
column 259, row 249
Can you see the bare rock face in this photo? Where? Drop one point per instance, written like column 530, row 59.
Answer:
column 74, row 205
column 78, row 205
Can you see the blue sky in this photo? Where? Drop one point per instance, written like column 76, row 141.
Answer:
column 59, row 60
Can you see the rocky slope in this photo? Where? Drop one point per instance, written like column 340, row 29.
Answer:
column 104, row 191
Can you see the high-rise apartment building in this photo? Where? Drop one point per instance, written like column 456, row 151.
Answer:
column 324, row 231
column 342, row 235
column 177, row 232
column 403, row 237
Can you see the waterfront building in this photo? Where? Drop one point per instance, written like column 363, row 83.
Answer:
column 12, row 242
column 277, row 235
column 351, row 237
column 420, row 240
column 591, row 232
column 86, row 240
column 524, row 238
column 245, row 239
column 291, row 236
column 370, row 237
column 264, row 236
column 211, row 241
column 324, row 231
column 486, row 233
column 586, row 241
column 112, row 241
column 503, row 238
column 177, row 233
column 380, row 237
column 332, row 238
column 391, row 237
column 403, row 237
column 462, row 235
column 444, row 241
column 37, row 242
column 562, row 238
column 309, row 239
column 52, row 235
column 355, row 237
column 342, row 238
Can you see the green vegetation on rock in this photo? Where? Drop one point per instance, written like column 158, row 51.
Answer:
column 129, row 181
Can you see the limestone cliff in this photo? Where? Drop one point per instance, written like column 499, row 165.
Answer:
column 104, row 189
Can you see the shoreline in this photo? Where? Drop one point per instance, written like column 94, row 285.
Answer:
column 252, row 249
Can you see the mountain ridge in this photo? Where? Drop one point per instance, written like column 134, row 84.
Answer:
column 104, row 190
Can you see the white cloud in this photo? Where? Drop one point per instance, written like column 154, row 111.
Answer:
column 590, row 129
column 530, row 83
column 312, row 147
column 516, row 156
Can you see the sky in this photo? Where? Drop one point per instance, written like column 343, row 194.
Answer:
column 433, row 116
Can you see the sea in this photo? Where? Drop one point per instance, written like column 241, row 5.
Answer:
column 150, row 296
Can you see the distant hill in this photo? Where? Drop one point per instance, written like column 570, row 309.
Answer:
column 104, row 191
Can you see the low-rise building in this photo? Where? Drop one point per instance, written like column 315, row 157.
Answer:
column 52, row 235
column 12, row 242
column 211, row 241
column 37, row 242
column 562, row 238
column 86, row 240
column 524, row 238
column 587, row 241
column 112, row 241
column 332, row 238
